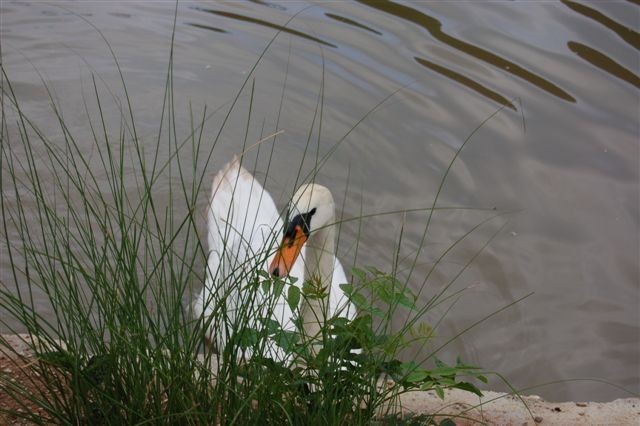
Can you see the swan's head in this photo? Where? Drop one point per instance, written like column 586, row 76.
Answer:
column 311, row 208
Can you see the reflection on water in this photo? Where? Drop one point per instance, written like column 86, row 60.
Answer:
column 572, row 175
column 470, row 83
column 435, row 29
column 257, row 21
column 604, row 62
column 626, row 33
column 207, row 27
column 348, row 21
column 268, row 4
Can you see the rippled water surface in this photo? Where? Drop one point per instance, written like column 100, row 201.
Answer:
column 561, row 159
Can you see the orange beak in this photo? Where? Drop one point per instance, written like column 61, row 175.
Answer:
column 287, row 253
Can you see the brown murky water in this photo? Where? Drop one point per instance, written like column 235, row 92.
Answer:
column 563, row 154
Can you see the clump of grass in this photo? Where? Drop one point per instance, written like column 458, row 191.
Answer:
column 116, row 265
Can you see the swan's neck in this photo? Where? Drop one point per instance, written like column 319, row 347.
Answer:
column 319, row 264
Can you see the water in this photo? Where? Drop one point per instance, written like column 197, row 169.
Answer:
column 562, row 156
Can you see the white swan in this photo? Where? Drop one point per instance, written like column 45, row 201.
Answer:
column 244, row 232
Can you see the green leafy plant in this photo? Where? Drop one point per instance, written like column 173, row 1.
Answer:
column 354, row 377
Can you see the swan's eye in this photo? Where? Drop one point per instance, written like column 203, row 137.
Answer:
column 297, row 234
column 301, row 221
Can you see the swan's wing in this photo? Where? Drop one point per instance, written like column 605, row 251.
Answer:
column 243, row 230
column 242, row 218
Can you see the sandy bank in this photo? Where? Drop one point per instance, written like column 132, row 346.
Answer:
column 463, row 407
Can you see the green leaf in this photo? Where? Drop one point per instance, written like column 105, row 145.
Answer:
column 445, row 372
column 286, row 340
column 271, row 326
column 426, row 386
column 338, row 323
column 347, row 289
column 439, row 363
column 417, row 376
column 293, row 297
column 374, row 270
column 247, row 337
column 359, row 273
column 360, row 301
column 266, row 285
column 482, row 378
column 362, row 323
column 278, row 287
column 403, row 300
column 439, row 392
column 469, row 387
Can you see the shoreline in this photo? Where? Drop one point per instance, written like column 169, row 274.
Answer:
column 464, row 408
column 498, row 408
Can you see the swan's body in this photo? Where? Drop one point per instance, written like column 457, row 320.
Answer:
column 244, row 231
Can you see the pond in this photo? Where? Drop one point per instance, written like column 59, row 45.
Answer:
column 543, row 95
